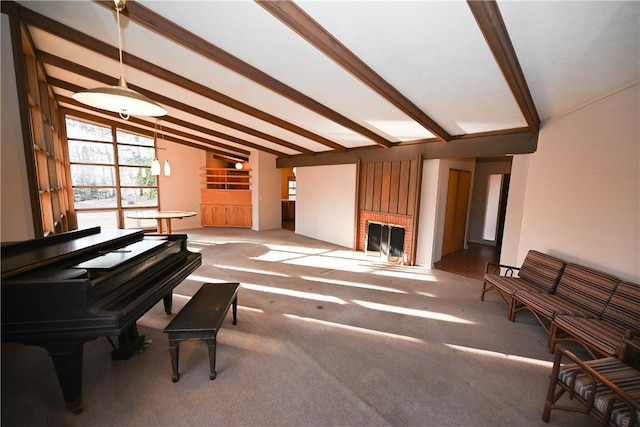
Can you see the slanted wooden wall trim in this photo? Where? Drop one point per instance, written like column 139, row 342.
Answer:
column 389, row 192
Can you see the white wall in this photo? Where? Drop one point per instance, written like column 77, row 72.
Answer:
column 15, row 211
column 181, row 190
column 265, row 191
column 326, row 203
column 515, row 207
column 429, row 202
column 582, row 199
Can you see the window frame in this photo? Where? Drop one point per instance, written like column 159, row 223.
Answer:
column 115, row 128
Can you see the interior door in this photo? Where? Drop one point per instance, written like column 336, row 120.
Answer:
column 455, row 220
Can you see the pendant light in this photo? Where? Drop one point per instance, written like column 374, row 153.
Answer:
column 155, row 164
column 120, row 99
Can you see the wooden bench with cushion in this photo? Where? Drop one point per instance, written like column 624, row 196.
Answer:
column 620, row 318
column 581, row 292
column 201, row 318
column 539, row 273
column 608, row 389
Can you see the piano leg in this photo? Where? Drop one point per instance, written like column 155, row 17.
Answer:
column 128, row 343
column 67, row 360
column 168, row 302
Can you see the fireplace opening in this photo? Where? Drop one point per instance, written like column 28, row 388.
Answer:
column 385, row 239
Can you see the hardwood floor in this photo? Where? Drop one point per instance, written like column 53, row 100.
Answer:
column 469, row 262
column 289, row 225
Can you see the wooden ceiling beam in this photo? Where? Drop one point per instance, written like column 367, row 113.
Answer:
column 136, row 129
column 160, row 25
column 201, row 143
column 102, row 48
column 50, row 59
column 489, row 19
column 207, row 131
column 481, row 146
column 300, row 22
column 221, row 135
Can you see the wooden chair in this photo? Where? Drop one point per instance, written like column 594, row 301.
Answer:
column 607, row 389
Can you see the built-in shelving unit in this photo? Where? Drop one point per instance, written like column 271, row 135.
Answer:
column 227, row 179
column 225, row 200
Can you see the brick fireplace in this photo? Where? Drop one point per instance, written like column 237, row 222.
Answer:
column 404, row 221
column 388, row 195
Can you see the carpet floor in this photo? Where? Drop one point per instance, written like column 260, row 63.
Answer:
column 326, row 336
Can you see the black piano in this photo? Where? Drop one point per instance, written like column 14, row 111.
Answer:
column 61, row 291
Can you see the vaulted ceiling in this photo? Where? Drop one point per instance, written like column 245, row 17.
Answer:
column 315, row 80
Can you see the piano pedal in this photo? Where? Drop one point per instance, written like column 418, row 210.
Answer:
column 129, row 347
column 142, row 345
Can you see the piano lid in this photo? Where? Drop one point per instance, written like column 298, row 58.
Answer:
column 23, row 256
column 111, row 259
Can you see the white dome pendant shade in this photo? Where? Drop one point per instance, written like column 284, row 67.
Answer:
column 120, row 99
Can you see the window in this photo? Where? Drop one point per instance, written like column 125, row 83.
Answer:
column 492, row 207
column 110, row 174
column 291, row 188
column 49, row 192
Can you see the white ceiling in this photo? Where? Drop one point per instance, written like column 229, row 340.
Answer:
column 434, row 53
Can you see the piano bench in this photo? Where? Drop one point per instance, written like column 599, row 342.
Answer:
column 201, row 318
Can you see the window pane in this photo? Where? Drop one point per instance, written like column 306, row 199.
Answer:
column 137, row 177
column 104, row 219
column 131, row 138
column 90, row 152
column 82, row 130
column 139, row 223
column 135, row 156
column 492, row 207
column 132, row 197
column 91, row 198
column 93, row 175
column 291, row 189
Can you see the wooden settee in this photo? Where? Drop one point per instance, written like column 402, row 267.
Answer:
column 572, row 302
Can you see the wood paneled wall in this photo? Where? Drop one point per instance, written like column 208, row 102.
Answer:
column 389, row 192
column 388, row 187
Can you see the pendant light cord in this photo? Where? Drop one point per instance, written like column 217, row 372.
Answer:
column 120, row 42
column 124, row 114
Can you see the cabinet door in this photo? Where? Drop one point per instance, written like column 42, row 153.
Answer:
column 213, row 215
column 247, row 216
column 238, row 216
column 219, row 215
column 206, row 215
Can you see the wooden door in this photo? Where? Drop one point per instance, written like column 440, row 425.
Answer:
column 455, row 220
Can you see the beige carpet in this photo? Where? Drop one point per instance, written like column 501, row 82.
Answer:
column 326, row 336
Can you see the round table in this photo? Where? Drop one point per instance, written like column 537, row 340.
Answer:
column 160, row 215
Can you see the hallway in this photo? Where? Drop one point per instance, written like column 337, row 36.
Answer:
column 469, row 262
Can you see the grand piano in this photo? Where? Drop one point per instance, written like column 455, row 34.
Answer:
column 61, row 291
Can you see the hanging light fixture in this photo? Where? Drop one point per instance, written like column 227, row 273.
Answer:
column 120, row 99
column 155, row 167
column 155, row 164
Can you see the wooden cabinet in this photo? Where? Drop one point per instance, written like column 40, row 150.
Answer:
column 226, row 199
column 288, row 210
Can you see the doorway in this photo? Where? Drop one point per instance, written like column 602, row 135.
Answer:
column 288, row 198
column 455, row 221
